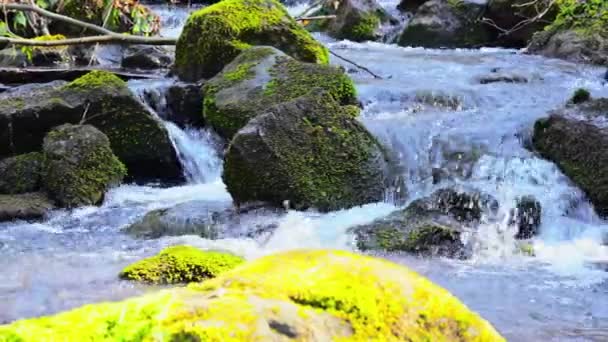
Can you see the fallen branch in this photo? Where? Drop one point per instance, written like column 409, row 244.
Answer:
column 357, row 65
column 317, row 17
column 105, row 39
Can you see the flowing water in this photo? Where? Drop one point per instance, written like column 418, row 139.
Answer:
column 429, row 107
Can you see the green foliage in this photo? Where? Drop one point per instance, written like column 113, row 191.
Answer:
column 587, row 17
column 580, row 95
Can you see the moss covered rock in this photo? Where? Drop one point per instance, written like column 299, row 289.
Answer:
column 579, row 33
column 575, row 139
column 294, row 296
column 28, row 206
column 447, row 23
column 215, row 35
column 100, row 99
column 356, row 20
column 311, row 152
column 181, row 264
column 428, row 226
column 21, row 174
column 79, row 165
column 261, row 77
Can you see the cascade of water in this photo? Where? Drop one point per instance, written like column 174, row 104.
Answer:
column 197, row 149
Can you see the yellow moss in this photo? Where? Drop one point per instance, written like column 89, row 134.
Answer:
column 181, row 264
column 298, row 295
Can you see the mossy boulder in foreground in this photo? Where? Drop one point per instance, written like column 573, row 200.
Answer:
column 309, row 151
column 100, row 99
column 215, row 35
column 264, row 76
column 575, row 138
column 300, row 295
column 79, row 165
column 181, row 264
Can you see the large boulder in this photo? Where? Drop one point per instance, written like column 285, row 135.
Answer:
column 100, row 99
column 356, row 20
column 444, row 23
column 180, row 264
column 571, row 45
column 575, row 138
column 21, row 174
column 295, row 296
column 261, row 77
column 200, row 218
column 579, row 33
column 29, row 206
column 185, row 104
column 215, row 35
column 79, row 165
column 428, row 226
column 310, row 152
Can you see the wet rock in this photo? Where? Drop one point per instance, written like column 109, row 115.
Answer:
column 428, row 226
column 200, row 218
column 439, row 99
column 215, row 35
column 309, row 152
column 181, row 265
column 100, row 99
column 443, row 23
column 146, row 57
column 305, row 295
column 79, row 165
column 356, row 20
column 527, row 217
column 185, row 105
column 502, row 76
column 29, row 206
column 410, row 5
column 262, row 77
column 575, row 138
column 21, row 174
column 454, row 158
column 571, row 45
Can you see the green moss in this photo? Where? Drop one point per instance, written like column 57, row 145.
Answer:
column 215, row 35
column 21, row 174
column 181, row 264
column 96, row 79
column 365, row 29
column 314, row 295
column 580, row 95
column 288, row 79
column 586, row 17
column 50, row 37
column 80, row 165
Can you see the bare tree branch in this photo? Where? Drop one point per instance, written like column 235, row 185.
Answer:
column 357, row 65
column 105, row 39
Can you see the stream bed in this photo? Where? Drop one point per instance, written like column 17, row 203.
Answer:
column 429, row 105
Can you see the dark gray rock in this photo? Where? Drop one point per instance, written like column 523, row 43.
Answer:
column 185, row 105
column 30, row 206
column 146, row 57
column 527, row 216
column 21, row 174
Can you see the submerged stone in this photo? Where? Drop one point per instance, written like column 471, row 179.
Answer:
column 294, row 296
column 215, row 35
column 181, row 264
